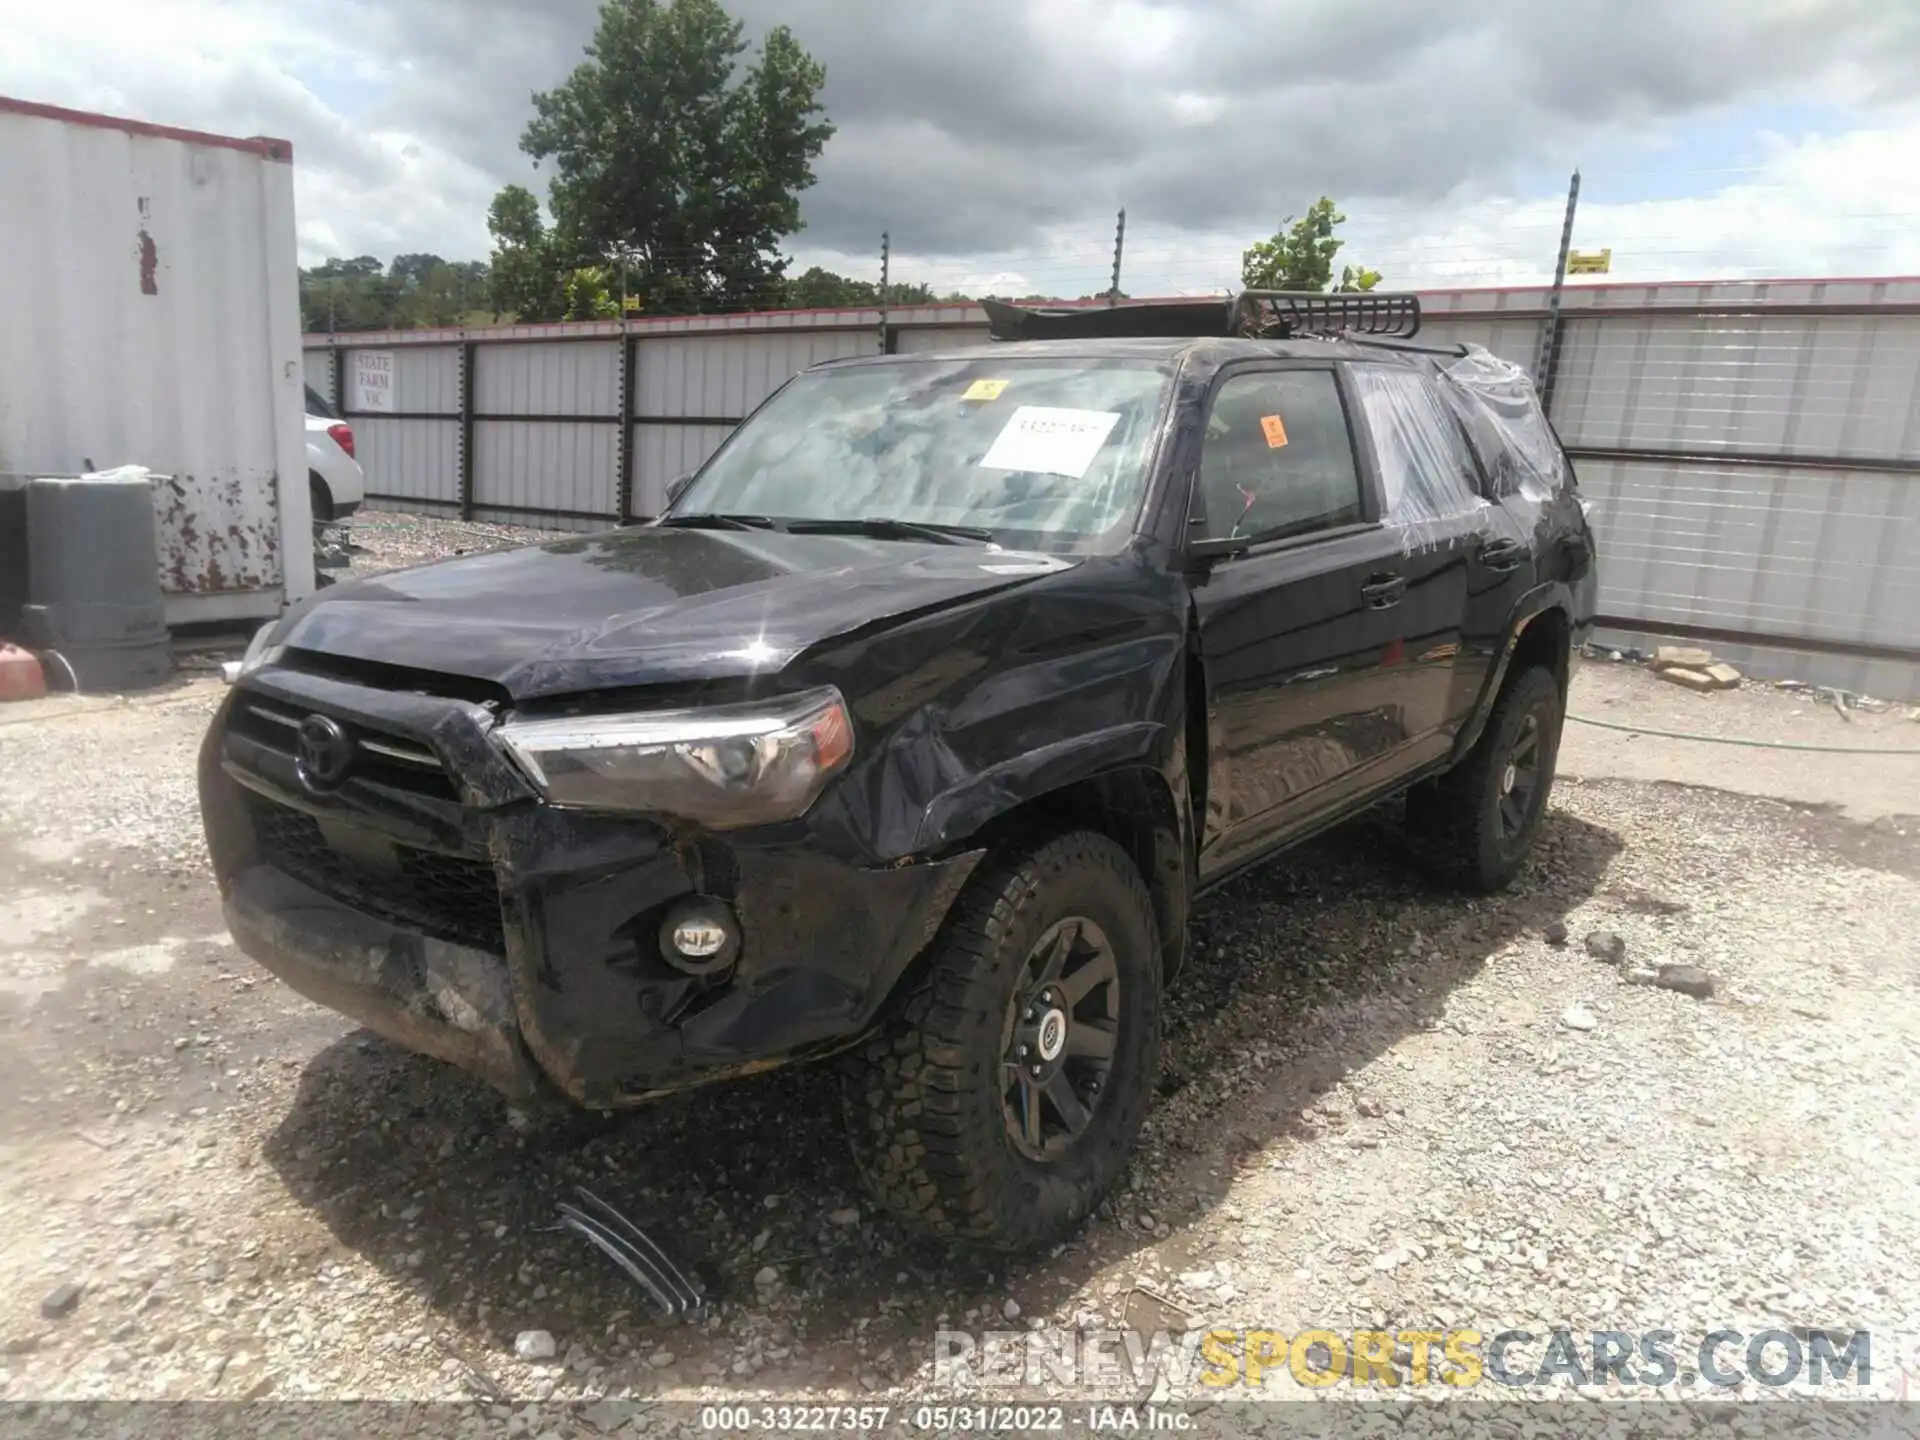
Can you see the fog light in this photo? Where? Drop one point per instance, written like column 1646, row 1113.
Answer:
column 700, row 936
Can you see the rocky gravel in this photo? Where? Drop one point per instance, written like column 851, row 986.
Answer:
column 377, row 540
column 1384, row 1106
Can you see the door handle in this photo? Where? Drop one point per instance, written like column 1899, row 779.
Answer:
column 1382, row 591
column 1502, row 555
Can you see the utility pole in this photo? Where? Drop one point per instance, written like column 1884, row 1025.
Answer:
column 886, row 267
column 1548, row 362
column 1119, row 248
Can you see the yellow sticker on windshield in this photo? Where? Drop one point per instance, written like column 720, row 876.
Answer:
column 1275, row 430
column 984, row 390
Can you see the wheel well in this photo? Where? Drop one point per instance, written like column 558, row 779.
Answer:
column 1134, row 808
column 1545, row 641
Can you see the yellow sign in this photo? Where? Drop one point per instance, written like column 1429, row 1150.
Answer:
column 1597, row 262
column 984, row 390
column 630, row 304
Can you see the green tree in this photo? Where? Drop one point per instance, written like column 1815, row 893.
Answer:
column 523, row 277
column 415, row 290
column 1301, row 257
column 822, row 289
column 593, row 293
column 410, row 272
column 664, row 149
column 351, row 294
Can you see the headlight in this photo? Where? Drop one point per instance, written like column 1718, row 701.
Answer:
column 723, row 767
column 258, row 653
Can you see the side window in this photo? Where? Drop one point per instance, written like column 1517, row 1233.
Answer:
column 1497, row 403
column 1277, row 458
column 1426, row 470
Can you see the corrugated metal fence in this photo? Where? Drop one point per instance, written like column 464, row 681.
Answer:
column 573, row 425
column 1752, row 448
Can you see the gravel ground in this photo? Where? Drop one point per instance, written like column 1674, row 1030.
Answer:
column 1384, row 1107
column 389, row 540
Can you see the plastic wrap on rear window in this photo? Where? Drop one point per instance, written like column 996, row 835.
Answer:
column 1496, row 401
column 1425, row 470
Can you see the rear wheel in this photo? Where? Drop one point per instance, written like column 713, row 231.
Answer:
column 321, row 498
column 1000, row 1101
column 1483, row 815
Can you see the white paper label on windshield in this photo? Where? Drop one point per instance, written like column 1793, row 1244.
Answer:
column 1053, row 442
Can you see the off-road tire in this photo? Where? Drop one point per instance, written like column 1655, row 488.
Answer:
column 923, row 1096
column 1458, row 814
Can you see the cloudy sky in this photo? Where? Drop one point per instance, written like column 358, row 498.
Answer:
column 995, row 139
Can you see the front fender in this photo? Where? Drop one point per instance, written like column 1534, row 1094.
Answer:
column 974, row 712
column 978, row 799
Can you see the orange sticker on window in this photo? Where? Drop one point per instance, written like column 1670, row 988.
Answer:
column 1275, row 430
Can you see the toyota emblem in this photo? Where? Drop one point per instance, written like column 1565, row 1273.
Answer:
column 323, row 754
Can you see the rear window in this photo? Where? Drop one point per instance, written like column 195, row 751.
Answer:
column 1496, row 401
column 318, row 406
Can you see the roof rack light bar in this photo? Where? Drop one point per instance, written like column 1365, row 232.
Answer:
column 1270, row 314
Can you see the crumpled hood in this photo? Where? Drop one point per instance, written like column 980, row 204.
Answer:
column 643, row 606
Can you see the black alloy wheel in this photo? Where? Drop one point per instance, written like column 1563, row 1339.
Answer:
column 1058, row 1039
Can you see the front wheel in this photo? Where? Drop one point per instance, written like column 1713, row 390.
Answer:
column 1000, row 1101
column 1483, row 815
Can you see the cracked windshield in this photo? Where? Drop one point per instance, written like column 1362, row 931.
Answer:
column 1039, row 453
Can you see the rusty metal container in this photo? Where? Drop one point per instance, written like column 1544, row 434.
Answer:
column 150, row 299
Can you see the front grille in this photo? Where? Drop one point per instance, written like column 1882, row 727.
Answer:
column 442, row 895
column 381, row 757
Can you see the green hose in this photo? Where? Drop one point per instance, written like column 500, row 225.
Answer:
column 1726, row 740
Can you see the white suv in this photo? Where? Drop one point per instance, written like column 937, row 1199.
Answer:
column 337, row 482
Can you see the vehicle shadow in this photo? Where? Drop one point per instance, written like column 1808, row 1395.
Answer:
column 415, row 1167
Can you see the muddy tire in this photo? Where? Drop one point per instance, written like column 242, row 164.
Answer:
column 1000, row 1100
column 1481, row 818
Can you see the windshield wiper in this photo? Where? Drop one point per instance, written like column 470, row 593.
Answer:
column 887, row 526
column 709, row 520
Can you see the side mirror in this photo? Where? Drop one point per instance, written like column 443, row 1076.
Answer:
column 1203, row 555
column 678, row 487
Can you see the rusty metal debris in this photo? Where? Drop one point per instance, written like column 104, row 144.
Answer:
column 635, row 1252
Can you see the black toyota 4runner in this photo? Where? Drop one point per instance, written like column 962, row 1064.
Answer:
column 911, row 729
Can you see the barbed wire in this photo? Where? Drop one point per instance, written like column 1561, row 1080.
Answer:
column 1749, row 224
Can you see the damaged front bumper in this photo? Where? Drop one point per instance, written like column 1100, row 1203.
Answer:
column 432, row 897
column 445, row 1000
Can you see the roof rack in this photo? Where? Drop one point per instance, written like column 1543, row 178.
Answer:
column 1268, row 314
column 1293, row 313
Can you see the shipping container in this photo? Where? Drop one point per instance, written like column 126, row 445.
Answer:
column 149, row 294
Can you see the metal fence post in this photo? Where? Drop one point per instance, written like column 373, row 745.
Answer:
column 469, row 354
column 339, row 357
column 1548, row 364
column 1119, row 248
column 886, row 266
column 624, row 445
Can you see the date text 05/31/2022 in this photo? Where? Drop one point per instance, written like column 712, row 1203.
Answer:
column 942, row 1419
